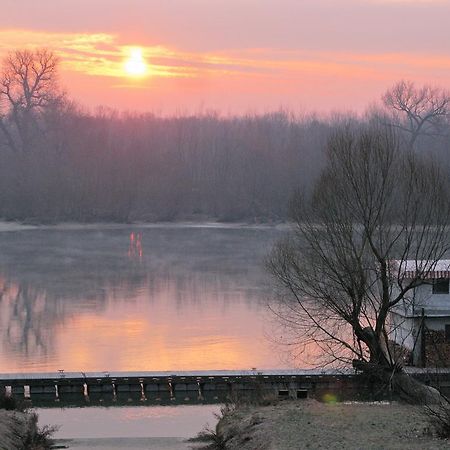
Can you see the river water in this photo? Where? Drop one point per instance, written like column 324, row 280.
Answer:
column 155, row 297
column 106, row 298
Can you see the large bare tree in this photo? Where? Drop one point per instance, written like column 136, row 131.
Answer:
column 341, row 270
column 28, row 85
column 418, row 110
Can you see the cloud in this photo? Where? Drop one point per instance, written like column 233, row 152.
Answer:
column 103, row 55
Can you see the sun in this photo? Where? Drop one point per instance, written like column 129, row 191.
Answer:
column 135, row 65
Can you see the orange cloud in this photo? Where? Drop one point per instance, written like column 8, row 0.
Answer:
column 92, row 64
column 102, row 54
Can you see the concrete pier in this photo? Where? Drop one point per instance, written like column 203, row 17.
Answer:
column 173, row 384
column 153, row 386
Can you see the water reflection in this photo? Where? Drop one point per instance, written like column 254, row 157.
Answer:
column 133, row 299
column 129, row 421
column 135, row 251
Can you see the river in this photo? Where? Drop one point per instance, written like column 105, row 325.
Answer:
column 104, row 298
column 150, row 297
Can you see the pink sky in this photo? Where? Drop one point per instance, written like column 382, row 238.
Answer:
column 236, row 55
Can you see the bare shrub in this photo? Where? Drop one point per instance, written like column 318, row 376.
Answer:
column 38, row 438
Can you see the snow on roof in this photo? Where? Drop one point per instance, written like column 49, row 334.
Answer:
column 412, row 268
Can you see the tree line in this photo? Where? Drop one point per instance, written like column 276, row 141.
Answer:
column 60, row 162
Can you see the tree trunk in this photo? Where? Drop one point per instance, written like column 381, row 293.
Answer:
column 405, row 386
column 413, row 391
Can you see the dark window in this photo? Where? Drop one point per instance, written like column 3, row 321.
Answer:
column 447, row 333
column 441, row 286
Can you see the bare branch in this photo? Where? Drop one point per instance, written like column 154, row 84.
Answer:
column 418, row 111
column 373, row 204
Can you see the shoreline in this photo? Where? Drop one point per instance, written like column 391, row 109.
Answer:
column 279, row 425
column 6, row 226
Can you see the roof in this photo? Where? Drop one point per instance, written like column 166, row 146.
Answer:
column 425, row 269
column 429, row 312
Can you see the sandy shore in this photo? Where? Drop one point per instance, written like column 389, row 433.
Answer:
column 313, row 425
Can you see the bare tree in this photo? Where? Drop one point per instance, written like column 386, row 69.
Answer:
column 418, row 111
column 28, row 85
column 373, row 205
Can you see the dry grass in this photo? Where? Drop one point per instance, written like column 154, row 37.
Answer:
column 308, row 424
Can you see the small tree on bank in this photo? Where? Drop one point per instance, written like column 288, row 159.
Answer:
column 28, row 87
column 374, row 204
column 418, row 110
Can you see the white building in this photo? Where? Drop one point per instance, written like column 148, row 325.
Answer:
column 421, row 322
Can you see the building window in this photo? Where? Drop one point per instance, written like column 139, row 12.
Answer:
column 441, row 286
column 447, row 333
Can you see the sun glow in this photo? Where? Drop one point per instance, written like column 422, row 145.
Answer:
column 135, row 65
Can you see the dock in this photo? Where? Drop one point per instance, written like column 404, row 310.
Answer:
column 173, row 384
column 194, row 386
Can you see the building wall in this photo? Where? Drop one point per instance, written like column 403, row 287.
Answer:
column 423, row 297
column 424, row 337
column 405, row 326
column 404, row 330
column 407, row 333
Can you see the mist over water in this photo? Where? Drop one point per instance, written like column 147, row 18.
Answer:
column 135, row 298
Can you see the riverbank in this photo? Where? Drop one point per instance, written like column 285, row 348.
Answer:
column 285, row 425
column 68, row 226
column 312, row 425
